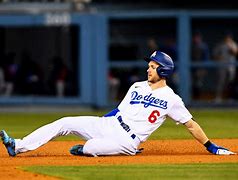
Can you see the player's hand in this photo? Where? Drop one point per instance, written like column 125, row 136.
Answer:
column 219, row 150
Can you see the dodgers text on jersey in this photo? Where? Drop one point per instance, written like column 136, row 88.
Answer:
column 147, row 100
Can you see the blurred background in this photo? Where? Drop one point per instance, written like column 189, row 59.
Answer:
column 88, row 52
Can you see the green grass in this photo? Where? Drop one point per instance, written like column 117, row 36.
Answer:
column 216, row 123
column 131, row 172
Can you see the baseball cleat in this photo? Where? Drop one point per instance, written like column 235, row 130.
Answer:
column 8, row 142
column 77, row 150
column 138, row 151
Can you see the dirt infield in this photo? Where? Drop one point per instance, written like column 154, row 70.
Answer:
column 155, row 152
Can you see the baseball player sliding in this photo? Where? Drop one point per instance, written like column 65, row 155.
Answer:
column 143, row 110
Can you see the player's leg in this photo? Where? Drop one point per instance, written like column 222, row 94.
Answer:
column 112, row 141
column 62, row 127
column 105, row 146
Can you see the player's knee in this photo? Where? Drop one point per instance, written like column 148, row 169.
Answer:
column 91, row 148
column 63, row 124
column 63, row 121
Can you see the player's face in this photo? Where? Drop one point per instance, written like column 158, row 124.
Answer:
column 152, row 75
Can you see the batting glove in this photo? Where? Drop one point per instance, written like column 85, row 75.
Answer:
column 218, row 150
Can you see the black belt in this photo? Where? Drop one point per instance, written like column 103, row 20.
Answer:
column 125, row 126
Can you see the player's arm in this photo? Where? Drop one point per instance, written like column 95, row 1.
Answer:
column 197, row 132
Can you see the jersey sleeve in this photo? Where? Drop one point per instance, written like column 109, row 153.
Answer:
column 179, row 112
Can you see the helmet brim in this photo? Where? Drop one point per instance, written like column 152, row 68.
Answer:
column 151, row 59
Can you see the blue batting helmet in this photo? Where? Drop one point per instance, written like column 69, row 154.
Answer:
column 165, row 61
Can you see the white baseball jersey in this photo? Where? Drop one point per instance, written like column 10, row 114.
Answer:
column 144, row 109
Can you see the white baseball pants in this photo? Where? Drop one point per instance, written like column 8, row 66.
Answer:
column 104, row 135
